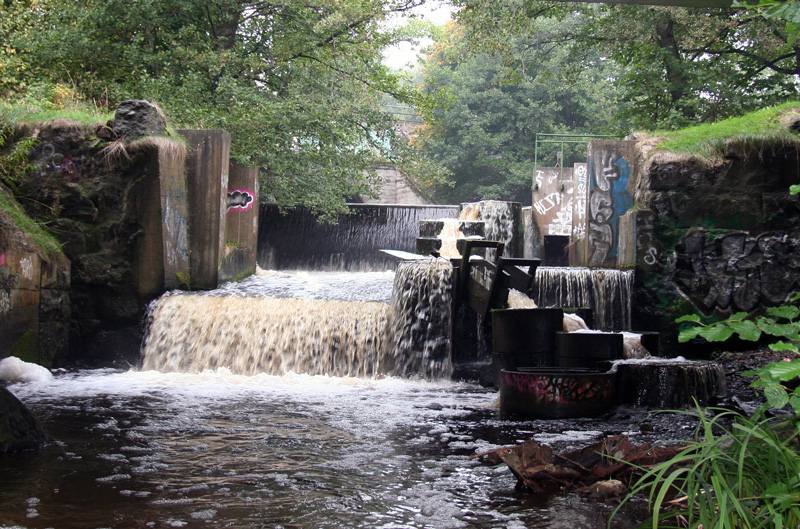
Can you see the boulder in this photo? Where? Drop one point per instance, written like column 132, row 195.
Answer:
column 137, row 117
column 19, row 429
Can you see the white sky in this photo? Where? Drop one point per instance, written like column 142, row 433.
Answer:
column 405, row 55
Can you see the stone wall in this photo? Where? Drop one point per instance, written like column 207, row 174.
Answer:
column 133, row 222
column 713, row 238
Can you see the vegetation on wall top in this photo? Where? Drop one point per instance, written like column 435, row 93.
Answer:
column 771, row 126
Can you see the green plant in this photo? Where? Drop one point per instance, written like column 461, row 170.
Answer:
column 740, row 472
column 779, row 322
column 46, row 243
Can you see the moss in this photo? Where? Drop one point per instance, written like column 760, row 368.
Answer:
column 27, row 347
column 44, row 241
column 765, row 129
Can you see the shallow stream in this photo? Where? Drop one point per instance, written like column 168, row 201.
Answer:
column 146, row 449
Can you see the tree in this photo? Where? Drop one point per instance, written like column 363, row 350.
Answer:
column 487, row 112
column 681, row 65
column 298, row 85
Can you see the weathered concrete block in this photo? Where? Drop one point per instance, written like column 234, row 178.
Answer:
column 238, row 257
column 207, row 171
column 610, row 168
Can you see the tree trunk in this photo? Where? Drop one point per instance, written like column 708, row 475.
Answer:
column 676, row 81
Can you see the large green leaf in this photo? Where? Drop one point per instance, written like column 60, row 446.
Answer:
column 784, row 370
column 688, row 334
column 789, row 11
column 788, row 312
column 747, row 330
column 716, row 333
column 776, row 396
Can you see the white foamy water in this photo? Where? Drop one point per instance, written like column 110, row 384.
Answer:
column 334, row 324
column 13, row 369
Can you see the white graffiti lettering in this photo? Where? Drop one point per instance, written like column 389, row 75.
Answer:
column 547, row 203
column 539, row 178
column 26, row 265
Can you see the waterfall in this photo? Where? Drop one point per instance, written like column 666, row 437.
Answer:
column 607, row 292
column 250, row 335
column 501, row 221
column 297, row 240
column 191, row 332
column 421, row 318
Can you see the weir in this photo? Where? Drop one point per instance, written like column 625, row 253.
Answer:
column 468, row 296
column 250, row 331
column 607, row 292
column 298, row 240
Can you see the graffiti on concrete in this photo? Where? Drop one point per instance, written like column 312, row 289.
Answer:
column 26, row 265
column 558, row 389
column 646, row 245
column 608, row 199
column 71, row 169
column 553, row 200
column 736, row 271
column 579, row 203
column 177, row 246
column 8, row 282
column 240, row 199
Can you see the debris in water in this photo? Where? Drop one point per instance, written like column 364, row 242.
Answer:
column 538, row 468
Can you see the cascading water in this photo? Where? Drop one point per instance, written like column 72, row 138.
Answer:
column 351, row 244
column 421, row 318
column 501, row 221
column 190, row 333
column 607, row 292
column 409, row 336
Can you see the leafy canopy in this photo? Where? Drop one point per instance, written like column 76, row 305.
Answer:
column 679, row 66
column 298, row 84
column 487, row 111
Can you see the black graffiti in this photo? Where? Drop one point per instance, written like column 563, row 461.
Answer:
column 8, row 281
column 737, row 271
column 240, row 199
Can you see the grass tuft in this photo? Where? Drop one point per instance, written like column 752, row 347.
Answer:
column 766, row 129
column 739, row 472
column 47, row 245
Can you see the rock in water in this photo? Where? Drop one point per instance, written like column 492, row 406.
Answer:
column 138, row 117
column 12, row 369
column 19, row 429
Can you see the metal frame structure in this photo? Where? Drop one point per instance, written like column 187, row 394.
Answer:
column 561, row 138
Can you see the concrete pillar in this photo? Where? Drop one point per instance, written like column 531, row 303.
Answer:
column 610, row 168
column 162, row 250
column 241, row 224
column 207, row 169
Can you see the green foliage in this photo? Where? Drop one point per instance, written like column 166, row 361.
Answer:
column 46, row 243
column 781, row 323
column 298, row 85
column 482, row 114
column 760, row 128
column 739, row 472
column 678, row 66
